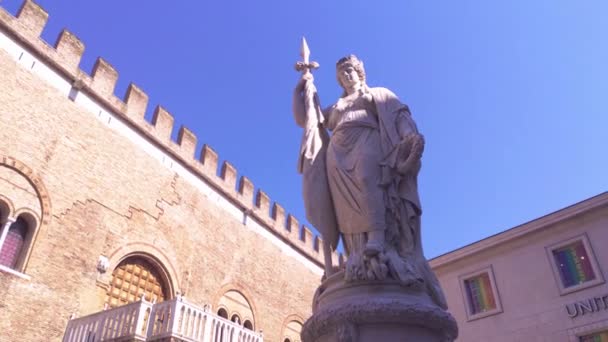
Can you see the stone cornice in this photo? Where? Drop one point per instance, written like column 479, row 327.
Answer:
column 544, row 222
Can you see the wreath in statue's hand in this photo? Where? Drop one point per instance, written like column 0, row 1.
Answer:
column 410, row 152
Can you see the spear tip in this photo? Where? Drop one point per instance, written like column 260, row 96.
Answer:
column 304, row 50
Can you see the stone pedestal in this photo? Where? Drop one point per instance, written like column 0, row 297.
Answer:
column 373, row 311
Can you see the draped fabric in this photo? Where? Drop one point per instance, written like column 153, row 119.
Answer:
column 353, row 171
column 311, row 163
column 351, row 182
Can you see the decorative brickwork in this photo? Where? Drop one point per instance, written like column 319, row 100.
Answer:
column 100, row 87
column 36, row 182
column 121, row 188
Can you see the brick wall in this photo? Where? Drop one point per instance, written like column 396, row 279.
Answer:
column 111, row 198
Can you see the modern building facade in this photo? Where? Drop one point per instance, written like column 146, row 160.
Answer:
column 541, row 281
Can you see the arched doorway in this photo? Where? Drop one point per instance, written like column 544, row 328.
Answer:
column 134, row 277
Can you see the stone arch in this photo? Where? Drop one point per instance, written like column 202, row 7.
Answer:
column 30, row 215
column 222, row 311
column 151, row 254
column 7, row 208
column 36, row 218
column 243, row 291
column 248, row 325
column 285, row 327
column 35, row 181
column 137, row 278
column 236, row 317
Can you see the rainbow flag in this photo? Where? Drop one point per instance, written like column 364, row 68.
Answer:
column 573, row 264
column 597, row 337
column 480, row 294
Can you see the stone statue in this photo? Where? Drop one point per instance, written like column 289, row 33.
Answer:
column 360, row 182
column 371, row 163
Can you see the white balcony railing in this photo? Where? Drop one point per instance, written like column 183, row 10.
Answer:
column 143, row 321
column 125, row 322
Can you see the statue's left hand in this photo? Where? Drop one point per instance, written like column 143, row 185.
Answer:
column 411, row 148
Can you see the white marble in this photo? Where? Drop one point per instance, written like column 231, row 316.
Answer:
column 360, row 159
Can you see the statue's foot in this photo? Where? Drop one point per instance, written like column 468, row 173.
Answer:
column 375, row 243
column 372, row 249
column 377, row 270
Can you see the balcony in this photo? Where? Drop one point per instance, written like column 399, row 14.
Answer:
column 172, row 320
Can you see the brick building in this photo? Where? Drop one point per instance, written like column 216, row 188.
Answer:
column 101, row 210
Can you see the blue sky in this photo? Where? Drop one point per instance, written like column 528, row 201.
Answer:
column 511, row 95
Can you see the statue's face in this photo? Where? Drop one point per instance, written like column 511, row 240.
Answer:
column 348, row 75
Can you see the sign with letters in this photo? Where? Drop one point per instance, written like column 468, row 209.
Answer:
column 591, row 305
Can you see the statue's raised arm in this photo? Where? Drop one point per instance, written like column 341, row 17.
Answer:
column 311, row 160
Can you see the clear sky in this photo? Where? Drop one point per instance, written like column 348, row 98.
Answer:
column 510, row 95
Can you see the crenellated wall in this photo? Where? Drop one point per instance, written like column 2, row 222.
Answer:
column 120, row 186
column 64, row 58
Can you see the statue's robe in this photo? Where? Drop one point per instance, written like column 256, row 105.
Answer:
column 402, row 197
column 312, row 159
column 401, row 190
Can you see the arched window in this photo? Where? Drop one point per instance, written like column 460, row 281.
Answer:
column 236, row 319
column 235, row 305
column 4, row 212
column 292, row 331
column 24, row 207
column 133, row 278
column 222, row 313
column 13, row 246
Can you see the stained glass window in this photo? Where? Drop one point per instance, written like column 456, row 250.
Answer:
column 573, row 264
column 479, row 293
column 601, row 336
column 13, row 245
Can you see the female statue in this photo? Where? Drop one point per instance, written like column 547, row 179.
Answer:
column 361, row 182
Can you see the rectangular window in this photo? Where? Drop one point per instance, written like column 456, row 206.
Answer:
column 574, row 265
column 601, row 336
column 480, row 294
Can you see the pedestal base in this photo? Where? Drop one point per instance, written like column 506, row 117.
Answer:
column 376, row 311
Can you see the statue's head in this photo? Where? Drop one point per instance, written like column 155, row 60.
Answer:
column 345, row 66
